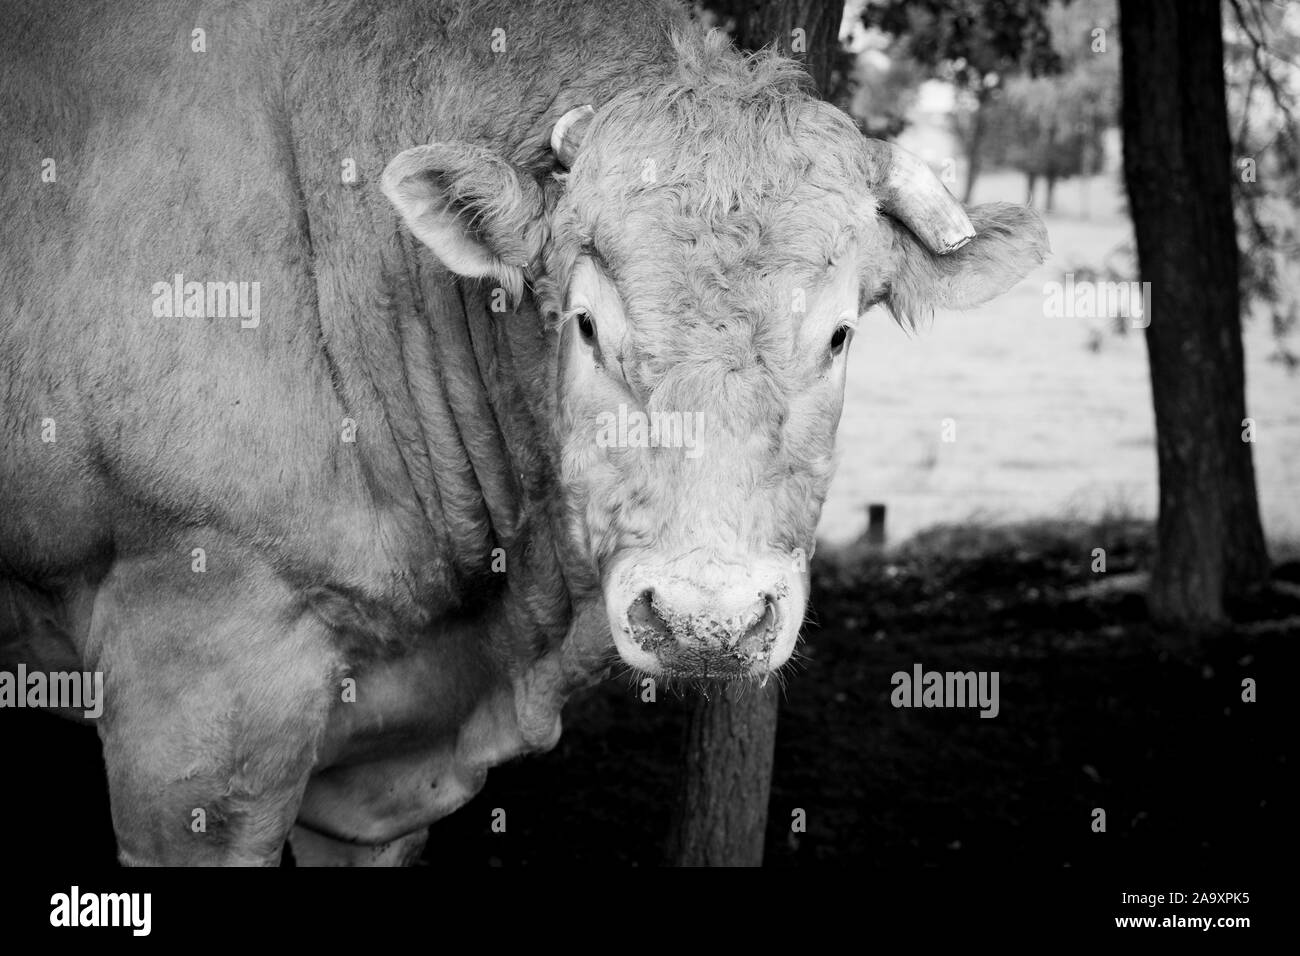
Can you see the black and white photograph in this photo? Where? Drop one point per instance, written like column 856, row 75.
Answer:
column 856, row 436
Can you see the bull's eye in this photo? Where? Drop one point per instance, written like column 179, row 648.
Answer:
column 838, row 339
column 585, row 325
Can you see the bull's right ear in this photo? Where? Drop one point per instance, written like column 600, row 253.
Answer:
column 481, row 216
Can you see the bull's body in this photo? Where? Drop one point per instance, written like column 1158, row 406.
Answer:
column 325, row 558
column 340, row 552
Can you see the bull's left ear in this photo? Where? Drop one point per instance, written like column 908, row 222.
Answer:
column 1010, row 241
column 479, row 214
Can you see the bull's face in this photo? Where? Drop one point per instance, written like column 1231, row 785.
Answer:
column 703, row 263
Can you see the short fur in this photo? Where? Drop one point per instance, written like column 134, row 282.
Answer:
column 372, row 560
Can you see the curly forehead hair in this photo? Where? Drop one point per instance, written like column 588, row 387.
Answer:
column 710, row 195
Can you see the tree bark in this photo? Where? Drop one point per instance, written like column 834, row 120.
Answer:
column 763, row 22
column 1177, row 164
column 721, row 815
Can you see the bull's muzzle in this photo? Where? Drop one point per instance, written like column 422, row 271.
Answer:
column 717, row 622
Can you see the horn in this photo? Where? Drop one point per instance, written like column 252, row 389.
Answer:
column 566, row 138
column 911, row 193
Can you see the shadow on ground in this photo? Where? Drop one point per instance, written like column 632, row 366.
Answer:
column 1097, row 709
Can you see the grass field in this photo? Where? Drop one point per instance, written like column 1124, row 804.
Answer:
column 1044, row 425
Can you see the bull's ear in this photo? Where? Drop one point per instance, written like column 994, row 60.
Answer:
column 1010, row 241
column 481, row 216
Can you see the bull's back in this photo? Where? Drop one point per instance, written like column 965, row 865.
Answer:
column 138, row 159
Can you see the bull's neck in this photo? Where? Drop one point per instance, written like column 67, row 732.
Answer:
column 452, row 395
column 469, row 419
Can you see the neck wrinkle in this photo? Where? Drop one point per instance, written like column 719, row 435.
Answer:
column 476, row 447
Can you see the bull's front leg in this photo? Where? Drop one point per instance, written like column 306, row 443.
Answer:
column 217, row 688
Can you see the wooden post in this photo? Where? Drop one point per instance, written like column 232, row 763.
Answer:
column 721, row 815
column 875, row 524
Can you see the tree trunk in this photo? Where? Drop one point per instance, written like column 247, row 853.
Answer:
column 1177, row 164
column 1053, row 168
column 1031, row 183
column 763, row 22
column 721, row 816
column 975, row 145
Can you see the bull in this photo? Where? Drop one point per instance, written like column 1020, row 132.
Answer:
column 336, row 560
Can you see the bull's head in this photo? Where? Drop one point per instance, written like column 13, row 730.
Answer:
column 703, row 262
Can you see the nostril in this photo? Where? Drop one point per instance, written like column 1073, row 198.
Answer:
column 761, row 632
column 646, row 623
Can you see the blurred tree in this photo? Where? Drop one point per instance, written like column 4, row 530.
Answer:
column 1052, row 126
column 1179, row 172
column 976, row 45
column 884, row 90
column 1037, row 128
column 1262, row 49
column 721, row 817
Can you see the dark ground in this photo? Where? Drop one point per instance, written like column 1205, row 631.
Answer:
column 1097, row 710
